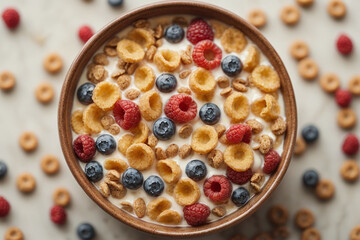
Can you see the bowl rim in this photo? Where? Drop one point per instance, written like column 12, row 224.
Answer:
column 64, row 126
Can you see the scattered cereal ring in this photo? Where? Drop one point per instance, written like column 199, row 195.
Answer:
column 202, row 82
column 28, row 141
column 167, row 60
column 350, row 170
column 169, row 170
column 233, row 40
column 13, row 233
column 265, row 78
column 144, row 78
column 140, row 132
column 336, row 9
column 140, row 207
column 53, row 63
column 77, row 123
column 310, row 234
column 266, row 107
column 157, row 206
column 44, row 92
column 236, row 106
column 106, row 94
column 305, row 3
column 130, row 51
column 304, row 218
column 61, row 196
column 278, row 215
column 169, row 217
column 290, row 15
column 7, row 81
column 92, row 118
column 239, row 157
column 186, row 192
column 142, row 37
column 218, row 27
column 299, row 50
column 25, row 182
column 204, row 139
column 329, row 82
column 346, row 118
column 50, row 164
column 115, row 164
column 125, row 142
column 252, row 59
column 325, row 189
column 355, row 233
column 354, row 85
column 308, row 69
column 257, row 17
column 140, row 156
column 150, row 105
column 300, row 146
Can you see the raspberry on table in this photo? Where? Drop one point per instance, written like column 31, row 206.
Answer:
column 271, row 161
column 127, row 114
column 199, row 30
column 4, row 207
column 207, row 54
column 11, row 18
column 58, row 215
column 196, row 214
column 85, row 33
column 239, row 177
column 181, row 108
column 343, row 97
column 239, row 133
column 218, row 188
column 351, row 144
column 84, row 148
column 344, row 44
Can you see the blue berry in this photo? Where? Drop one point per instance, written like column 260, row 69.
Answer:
column 85, row 92
column 94, row 171
column 132, row 178
column 154, row 186
column 310, row 133
column 3, row 169
column 310, row 178
column 86, row 231
column 164, row 128
column 210, row 113
column 174, row 33
column 196, row 170
column 231, row 65
column 240, row 196
column 115, row 3
column 166, row 82
column 105, row 144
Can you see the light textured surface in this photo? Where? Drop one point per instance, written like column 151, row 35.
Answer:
column 52, row 26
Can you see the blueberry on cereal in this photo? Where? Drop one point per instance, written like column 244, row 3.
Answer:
column 86, row 231
column 240, row 196
column 85, row 92
column 196, row 170
column 166, row 82
column 132, row 178
column 310, row 133
column 210, row 113
column 164, row 128
column 3, row 169
column 310, row 178
column 231, row 65
column 105, row 144
column 94, row 171
column 154, row 186
column 174, row 33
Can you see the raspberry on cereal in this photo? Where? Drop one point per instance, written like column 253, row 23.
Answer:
column 85, row 33
column 218, row 188
column 351, row 144
column 207, row 54
column 11, row 18
column 271, row 161
column 127, row 114
column 181, row 108
column 239, row 133
column 239, row 177
column 196, row 214
column 4, row 207
column 343, row 97
column 58, row 215
column 84, row 148
column 199, row 30
column 344, row 44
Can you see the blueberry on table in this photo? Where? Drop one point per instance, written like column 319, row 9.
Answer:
column 3, row 169
column 166, row 82
column 210, row 113
column 310, row 178
column 174, row 33
column 132, row 178
column 115, row 3
column 85, row 92
column 154, row 186
column 231, row 65
column 94, row 171
column 164, row 128
column 240, row 196
column 310, row 133
column 105, row 144
column 86, row 231
column 196, row 170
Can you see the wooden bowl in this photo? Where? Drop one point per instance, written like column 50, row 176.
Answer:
column 153, row 10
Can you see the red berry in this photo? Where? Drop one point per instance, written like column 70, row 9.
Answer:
column 239, row 177
column 11, row 18
column 218, row 188
column 343, row 97
column 207, row 55
column 84, row 148
column 271, row 161
column 85, row 33
column 181, row 108
column 127, row 114
column 196, row 214
column 4, row 207
column 199, row 30
column 58, row 215
column 344, row 44
column 351, row 144
column 239, row 133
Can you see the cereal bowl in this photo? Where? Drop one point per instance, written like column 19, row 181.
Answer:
column 155, row 10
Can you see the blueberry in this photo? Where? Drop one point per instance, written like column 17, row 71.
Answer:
column 105, row 144
column 85, row 92
column 86, row 231
column 310, row 133
column 310, row 178
column 210, row 113
column 154, row 186
column 94, row 171
column 166, row 82
column 115, row 3
column 196, row 170
column 164, row 128
column 240, row 196
column 231, row 65
column 3, row 169
column 174, row 33
column 132, row 178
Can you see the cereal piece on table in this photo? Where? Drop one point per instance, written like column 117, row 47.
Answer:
column 238, row 237
column 354, row 85
column 61, row 196
column 236, row 106
column 7, row 81
column 257, row 17
column 350, row 170
column 262, row 236
column 115, row 164
column 325, row 189
column 117, row 190
column 96, row 74
column 184, row 74
column 172, row 150
column 185, row 151
column 346, row 118
column 239, row 85
column 305, row 3
column 239, row 157
column 336, row 9
column 53, row 63
column 256, row 181
column 142, row 36
column 112, row 175
column 26, row 183
column 44, row 92
column 132, row 93
column 290, row 14
column 184, row 90
column 136, row 54
column 265, row 78
column 220, row 129
column 150, row 105
column 308, row 69
column 28, row 141
column 185, row 55
column 233, row 40
column 185, row 131
column 124, row 81
column 101, row 59
column 92, row 118
column 167, row 60
column 150, row 53
column 107, row 121
column 281, row 232
column 186, row 192
column 141, row 23
column 218, row 27
column 278, row 215
column 299, row 50
column 140, row 156
column 50, row 164
column 223, row 82
column 304, row 218
column 160, row 153
column 219, row 211
column 127, row 206
column 169, row 217
column 256, row 126
column 204, row 139
column 156, row 207
column 252, row 60
column 226, row 92
column 278, row 127
column 310, row 234
column 140, row 207
column 13, row 233
column 104, row 189
column 329, row 82
column 181, row 21
column 300, row 146
column 152, row 141
column 355, row 233
column 114, row 129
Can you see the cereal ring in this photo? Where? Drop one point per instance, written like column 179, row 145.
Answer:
column 130, row 51
column 61, row 196
column 355, row 233
column 141, row 132
column 117, row 190
column 278, row 215
column 13, row 233
column 140, row 156
column 281, row 232
column 252, row 59
column 150, row 105
column 169, row 217
column 279, row 126
column 186, row 192
column 106, row 94
column 265, row 78
column 140, row 207
column 142, row 37
column 25, row 182
column 7, row 81
column 257, row 17
column 308, row 69
column 346, row 118
column 233, row 40
column 218, row 27
column 77, row 123
column 336, row 9
column 167, row 60
column 169, row 170
column 350, row 170
column 202, row 82
column 236, row 106
column 290, row 15
column 144, row 78
column 125, row 142
column 310, row 234
column 157, row 206
column 299, row 50
column 92, row 118
column 53, row 63
column 204, row 139
column 256, row 126
column 329, row 82
column 305, row 3
column 115, row 164
column 28, row 141
column 354, row 85
column 266, row 107
column 50, row 164
column 215, row 158
column 300, row 146
column 239, row 157
column 325, row 189
column 304, row 218
column 44, row 92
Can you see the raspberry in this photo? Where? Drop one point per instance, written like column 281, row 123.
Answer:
column 181, row 108
column 4, row 207
column 127, row 114
column 207, row 54
column 344, row 44
column 218, row 188
column 199, row 30
column 271, row 161
column 343, row 97
column 11, row 18
column 239, row 133
column 85, row 33
column 196, row 214
column 351, row 144
column 84, row 148
column 239, row 177
column 58, row 215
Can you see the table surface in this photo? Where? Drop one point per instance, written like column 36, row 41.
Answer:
column 49, row 26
